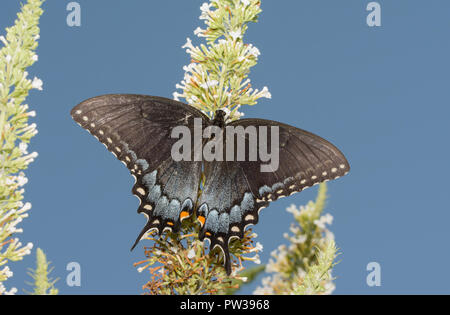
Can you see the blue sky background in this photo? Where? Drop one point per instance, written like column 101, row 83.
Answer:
column 380, row 94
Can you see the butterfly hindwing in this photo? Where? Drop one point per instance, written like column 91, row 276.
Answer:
column 137, row 130
column 235, row 192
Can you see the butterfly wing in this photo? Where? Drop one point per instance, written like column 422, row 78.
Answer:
column 137, row 130
column 234, row 192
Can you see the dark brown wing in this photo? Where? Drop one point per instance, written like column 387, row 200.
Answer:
column 137, row 130
column 234, row 192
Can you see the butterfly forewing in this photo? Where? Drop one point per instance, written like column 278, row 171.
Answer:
column 137, row 129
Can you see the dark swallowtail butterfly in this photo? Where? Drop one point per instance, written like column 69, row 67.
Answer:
column 137, row 130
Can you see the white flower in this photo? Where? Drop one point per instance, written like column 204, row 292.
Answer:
column 294, row 229
column 325, row 219
column 7, row 272
column 32, row 114
column 8, row 58
column 245, row 2
column 13, row 291
column 265, row 93
column 21, row 179
column 236, row 34
column 26, row 250
column 329, row 235
column 35, row 58
column 37, row 84
column 255, row 259
column 301, row 239
column 205, row 8
column 188, row 44
column 237, row 115
column 294, row 210
column 13, row 229
column 191, row 254
column 3, row 40
column 10, row 181
column 191, row 100
column 30, row 157
column 23, row 148
column 254, row 51
column 209, row 83
column 26, row 207
column 190, row 67
column 199, row 32
column 176, row 96
column 319, row 224
column 329, row 287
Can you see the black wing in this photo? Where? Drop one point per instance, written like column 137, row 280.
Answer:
column 235, row 192
column 137, row 130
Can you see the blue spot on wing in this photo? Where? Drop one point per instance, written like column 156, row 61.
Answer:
column 161, row 207
column 224, row 223
column 143, row 164
column 173, row 211
column 264, row 190
column 149, row 180
column 212, row 222
column 247, row 203
column 154, row 194
column 236, row 214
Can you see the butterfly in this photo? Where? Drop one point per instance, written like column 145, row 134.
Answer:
column 225, row 196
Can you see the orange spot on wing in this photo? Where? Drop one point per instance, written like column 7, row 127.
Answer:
column 201, row 219
column 184, row 214
column 170, row 223
column 208, row 234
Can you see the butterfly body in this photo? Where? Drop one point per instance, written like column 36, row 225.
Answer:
column 139, row 129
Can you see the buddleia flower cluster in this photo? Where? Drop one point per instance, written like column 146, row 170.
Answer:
column 180, row 264
column 216, row 78
column 17, row 53
column 304, row 266
column 42, row 282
